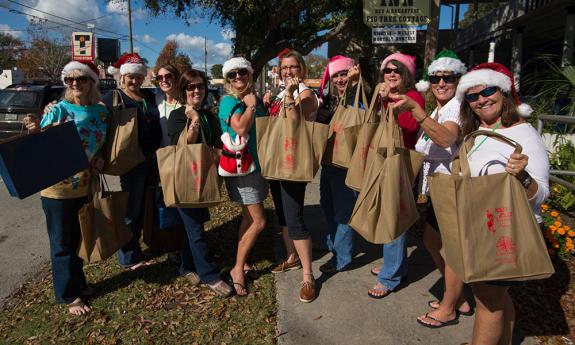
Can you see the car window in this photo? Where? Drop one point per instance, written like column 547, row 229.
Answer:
column 13, row 98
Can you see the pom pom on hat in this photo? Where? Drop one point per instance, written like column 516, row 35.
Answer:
column 236, row 63
column 492, row 74
column 407, row 60
column 129, row 63
column 445, row 61
column 86, row 67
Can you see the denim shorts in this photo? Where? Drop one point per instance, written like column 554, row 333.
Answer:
column 247, row 190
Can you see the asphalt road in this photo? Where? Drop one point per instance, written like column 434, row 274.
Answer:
column 23, row 240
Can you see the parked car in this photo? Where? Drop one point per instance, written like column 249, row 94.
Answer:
column 107, row 84
column 20, row 100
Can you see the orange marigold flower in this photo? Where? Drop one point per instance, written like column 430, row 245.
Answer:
column 567, row 227
column 554, row 214
column 571, row 233
column 557, row 224
column 561, row 231
column 544, row 206
column 553, row 228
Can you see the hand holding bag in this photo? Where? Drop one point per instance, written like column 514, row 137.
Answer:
column 487, row 227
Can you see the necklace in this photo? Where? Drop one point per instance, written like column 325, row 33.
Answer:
column 482, row 141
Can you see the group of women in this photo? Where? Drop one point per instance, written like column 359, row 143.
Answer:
column 483, row 98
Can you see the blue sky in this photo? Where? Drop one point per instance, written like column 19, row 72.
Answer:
column 150, row 33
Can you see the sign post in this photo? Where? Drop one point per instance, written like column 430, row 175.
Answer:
column 395, row 12
column 83, row 46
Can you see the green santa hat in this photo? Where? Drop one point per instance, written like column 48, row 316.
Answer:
column 445, row 61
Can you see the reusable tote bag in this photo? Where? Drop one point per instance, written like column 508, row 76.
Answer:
column 290, row 149
column 160, row 240
column 487, row 227
column 340, row 143
column 385, row 207
column 102, row 225
column 122, row 150
column 189, row 174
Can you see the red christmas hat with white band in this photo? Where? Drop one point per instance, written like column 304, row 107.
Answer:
column 85, row 67
column 492, row 74
column 129, row 63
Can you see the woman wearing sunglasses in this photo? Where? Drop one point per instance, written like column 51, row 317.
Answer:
column 398, row 72
column 196, row 264
column 167, row 78
column 438, row 140
column 299, row 102
column 133, row 72
column 62, row 201
column 237, row 114
column 490, row 102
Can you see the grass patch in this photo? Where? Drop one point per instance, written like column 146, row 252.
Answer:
column 153, row 305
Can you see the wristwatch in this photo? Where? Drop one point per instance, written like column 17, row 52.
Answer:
column 524, row 177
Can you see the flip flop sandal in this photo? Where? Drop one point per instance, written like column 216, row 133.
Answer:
column 470, row 312
column 441, row 323
column 251, row 273
column 242, row 287
column 78, row 302
column 371, row 294
column 373, row 273
column 221, row 289
column 136, row 267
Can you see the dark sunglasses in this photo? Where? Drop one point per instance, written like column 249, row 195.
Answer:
column 192, row 87
column 80, row 79
column 388, row 70
column 162, row 77
column 242, row 72
column 448, row 79
column 488, row 91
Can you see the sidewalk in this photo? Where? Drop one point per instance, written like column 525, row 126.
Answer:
column 343, row 313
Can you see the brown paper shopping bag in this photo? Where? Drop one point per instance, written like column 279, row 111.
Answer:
column 487, row 227
column 158, row 240
column 189, row 174
column 122, row 150
column 385, row 207
column 341, row 143
column 290, row 149
column 102, row 225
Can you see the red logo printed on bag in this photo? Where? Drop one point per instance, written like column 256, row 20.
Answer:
column 490, row 224
column 337, row 127
column 505, row 251
column 335, row 144
column 290, row 143
column 504, row 217
column 289, row 162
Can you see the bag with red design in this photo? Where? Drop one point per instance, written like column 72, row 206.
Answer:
column 487, row 226
column 102, row 225
column 236, row 159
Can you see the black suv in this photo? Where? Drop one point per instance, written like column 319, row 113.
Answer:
column 19, row 100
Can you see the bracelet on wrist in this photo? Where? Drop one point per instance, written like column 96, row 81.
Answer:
column 419, row 122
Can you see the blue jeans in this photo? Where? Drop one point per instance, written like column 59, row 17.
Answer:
column 64, row 234
column 194, row 254
column 134, row 182
column 337, row 202
column 394, row 269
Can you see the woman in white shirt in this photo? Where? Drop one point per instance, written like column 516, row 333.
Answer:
column 490, row 102
column 167, row 77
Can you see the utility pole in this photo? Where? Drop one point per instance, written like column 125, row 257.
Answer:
column 130, row 26
column 205, row 55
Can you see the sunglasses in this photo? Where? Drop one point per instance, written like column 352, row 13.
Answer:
column 448, row 79
column 80, row 79
column 488, row 91
column 388, row 70
column 242, row 72
column 164, row 77
column 192, row 87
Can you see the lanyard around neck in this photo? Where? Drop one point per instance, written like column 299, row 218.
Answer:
column 482, row 141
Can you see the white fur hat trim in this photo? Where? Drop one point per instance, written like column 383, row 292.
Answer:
column 75, row 65
column 446, row 64
column 236, row 63
column 133, row 68
column 484, row 76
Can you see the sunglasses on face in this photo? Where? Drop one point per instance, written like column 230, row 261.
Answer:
column 192, row 87
column 164, row 77
column 80, row 79
column 488, row 91
column 388, row 70
column 242, row 72
column 448, row 79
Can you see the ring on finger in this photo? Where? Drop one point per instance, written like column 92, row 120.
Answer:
column 512, row 166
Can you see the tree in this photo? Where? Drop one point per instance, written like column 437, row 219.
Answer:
column 44, row 59
column 217, row 71
column 8, row 51
column 475, row 13
column 264, row 28
column 170, row 54
column 315, row 65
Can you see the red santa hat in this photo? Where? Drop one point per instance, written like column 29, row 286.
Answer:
column 86, row 67
column 492, row 74
column 129, row 63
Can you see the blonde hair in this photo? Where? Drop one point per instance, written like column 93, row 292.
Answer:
column 94, row 96
column 300, row 60
column 238, row 93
